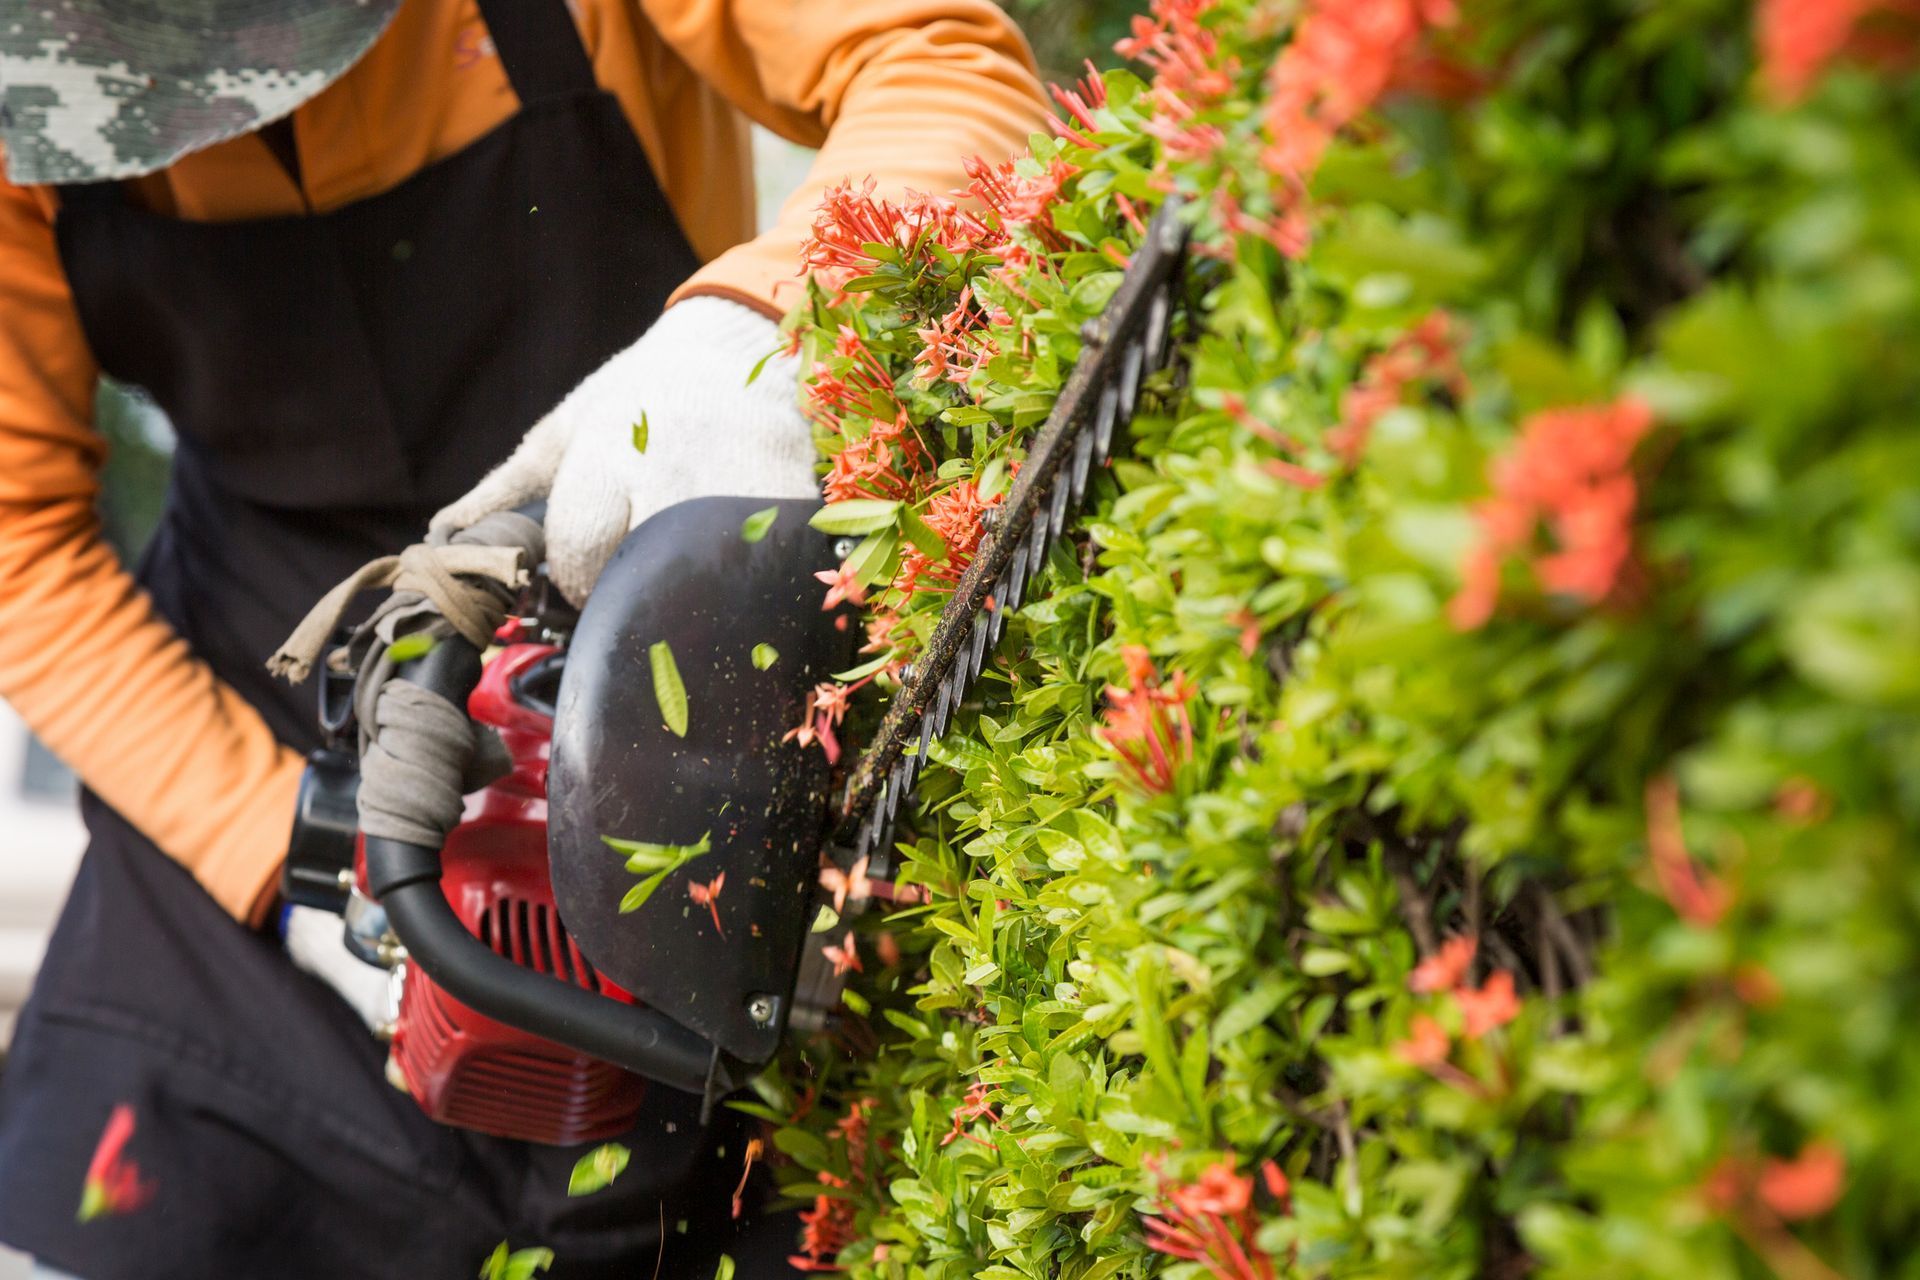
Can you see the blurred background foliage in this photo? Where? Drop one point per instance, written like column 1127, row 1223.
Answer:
column 1452, row 811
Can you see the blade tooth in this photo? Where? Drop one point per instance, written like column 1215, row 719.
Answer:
column 894, row 780
column 1015, row 579
column 1057, row 518
column 882, row 838
column 864, row 845
column 1106, row 417
column 945, row 706
column 912, row 764
column 1082, row 462
column 1130, row 364
column 1159, row 311
column 960, row 679
column 1037, row 547
column 979, row 654
column 926, row 732
column 999, row 625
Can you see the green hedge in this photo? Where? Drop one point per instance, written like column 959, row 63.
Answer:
column 1451, row 812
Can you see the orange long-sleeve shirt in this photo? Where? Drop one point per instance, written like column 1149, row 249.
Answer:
column 901, row 90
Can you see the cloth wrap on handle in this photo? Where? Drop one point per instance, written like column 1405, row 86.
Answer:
column 419, row 753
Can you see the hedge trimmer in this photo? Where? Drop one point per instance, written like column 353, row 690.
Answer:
column 632, row 900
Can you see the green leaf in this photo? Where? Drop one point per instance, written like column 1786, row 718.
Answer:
column 637, row 896
column 755, row 526
column 668, row 689
column 642, row 855
column 764, row 656
column 859, row 515
column 725, row 1269
column 597, row 1169
column 640, row 435
column 409, row 647
column 865, row 669
column 826, row 920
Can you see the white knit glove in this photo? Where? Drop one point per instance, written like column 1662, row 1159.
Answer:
column 708, row 432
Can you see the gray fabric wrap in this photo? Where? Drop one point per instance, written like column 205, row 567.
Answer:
column 419, row 754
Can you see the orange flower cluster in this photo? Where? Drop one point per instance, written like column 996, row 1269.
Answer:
column 826, row 1228
column 1485, row 1008
column 1798, row 40
column 851, row 218
column 1806, row 1186
column 1147, row 722
column 1570, row 472
column 1425, row 353
column 1212, row 1220
column 1344, row 55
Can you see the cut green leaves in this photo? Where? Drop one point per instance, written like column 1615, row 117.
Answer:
column 654, row 861
column 857, row 516
column 764, row 656
column 596, row 1170
column 755, row 526
column 668, row 689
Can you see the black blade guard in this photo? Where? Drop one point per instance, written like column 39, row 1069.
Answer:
column 688, row 577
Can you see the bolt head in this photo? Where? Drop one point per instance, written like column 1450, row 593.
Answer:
column 760, row 1010
column 843, row 547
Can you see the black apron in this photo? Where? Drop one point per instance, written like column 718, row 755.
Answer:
column 334, row 379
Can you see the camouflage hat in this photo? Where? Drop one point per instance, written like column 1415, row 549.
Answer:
column 98, row 89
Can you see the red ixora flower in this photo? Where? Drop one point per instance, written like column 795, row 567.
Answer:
column 1698, row 897
column 113, row 1185
column 825, row 708
column 1212, row 1220
column 1147, row 721
column 1492, row 1005
column 850, row 218
column 1344, row 55
column 975, row 1107
column 1805, row 1186
column 1426, row 353
column 1797, row 40
column 826, row 1228
column 1570, row 475
column 1445, row 969
column 708, row 895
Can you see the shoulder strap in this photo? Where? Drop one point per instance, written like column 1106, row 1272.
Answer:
column 90, row 195
column 540, row 48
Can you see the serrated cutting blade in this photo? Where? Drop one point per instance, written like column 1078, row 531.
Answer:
column 1133, row 335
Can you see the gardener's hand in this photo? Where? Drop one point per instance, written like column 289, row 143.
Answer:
column 706, row 431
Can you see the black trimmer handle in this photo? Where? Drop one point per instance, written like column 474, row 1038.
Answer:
column 405, row 878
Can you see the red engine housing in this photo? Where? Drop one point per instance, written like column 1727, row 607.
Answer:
column 468, row 1070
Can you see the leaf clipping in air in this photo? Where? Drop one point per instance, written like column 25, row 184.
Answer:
column 640, row 435
column 597, row 1169
column 407, row 648
column 725, row 1270
column 644, row 855
column 855, row 516
column 755, row 526
column 764, row 656
column 668, row 689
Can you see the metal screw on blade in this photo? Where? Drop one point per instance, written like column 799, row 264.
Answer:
column 843, row 547
column 906, row 675
column 760, row 1010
